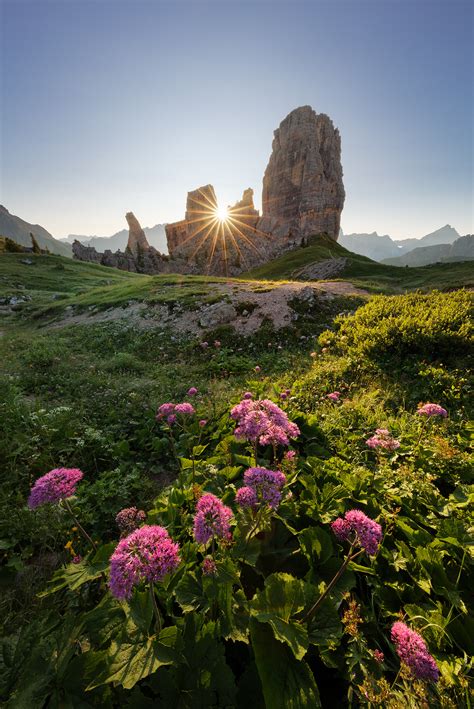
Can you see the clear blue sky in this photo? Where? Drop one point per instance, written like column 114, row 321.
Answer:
column 117, row 105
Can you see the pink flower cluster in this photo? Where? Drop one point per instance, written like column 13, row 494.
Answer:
column 334, row 396
column 356, row 526
column 412, row 650
column 432, row 410
column 169, row 411
column 129, row 519
column 209, row 567
column 212, row 519
column 56, row 485
column 147, row 554
column 383, row 439
column 262, row 486
column 264, row 422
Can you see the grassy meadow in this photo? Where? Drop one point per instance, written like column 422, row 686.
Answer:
column 280, row 612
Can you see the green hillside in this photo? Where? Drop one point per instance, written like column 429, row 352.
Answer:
column 364, row 272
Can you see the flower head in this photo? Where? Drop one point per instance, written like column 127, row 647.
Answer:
column 192, row 391
column 266, row 486
column 355, row 522
column 383, row 439
column 129, row 519
column 412, row 650
column 184, row 408
column 379, row 656
column 334, row 396
column 165, row 410
column 247, row 395
column 171, row 419
column 264, row 422
column 209, row 567
column 211, row 519
column 147, row 554
column 77, row 559
column 56, row 485
column 202, row 422
column 432, row 410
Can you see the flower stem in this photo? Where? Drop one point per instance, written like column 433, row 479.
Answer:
column 332, row 583
column 79, row 525
column 156, row 611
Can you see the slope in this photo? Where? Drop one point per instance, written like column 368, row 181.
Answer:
column 19, row 230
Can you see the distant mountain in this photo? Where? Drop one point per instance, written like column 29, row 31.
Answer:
column 446, row 235
column 371, row 245
column 460, row 250
column 381, row 248
column 19, row 230
column 156, row 236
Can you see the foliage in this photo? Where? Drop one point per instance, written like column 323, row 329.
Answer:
column 232, row 626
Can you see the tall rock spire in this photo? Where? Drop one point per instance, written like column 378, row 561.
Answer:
column 136, row 236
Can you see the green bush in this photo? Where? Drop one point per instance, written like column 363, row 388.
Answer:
column 434, row 326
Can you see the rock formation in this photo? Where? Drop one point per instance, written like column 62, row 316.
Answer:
column 137, row 240
column 303, row 195
column 209, row 244
column 303, row 192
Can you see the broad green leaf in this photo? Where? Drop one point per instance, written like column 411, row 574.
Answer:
column 315, row 542
column 287, row 683
column 127, row 663
column 141, row 610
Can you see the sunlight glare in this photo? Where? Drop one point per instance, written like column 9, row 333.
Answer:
column 222, row 213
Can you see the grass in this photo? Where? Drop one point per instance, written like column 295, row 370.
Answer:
column 365, row 273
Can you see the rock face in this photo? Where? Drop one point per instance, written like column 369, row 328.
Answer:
column 303, row 192
column 209, row 244
column 137, row 240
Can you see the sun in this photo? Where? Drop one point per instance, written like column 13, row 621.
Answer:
column 222, row 213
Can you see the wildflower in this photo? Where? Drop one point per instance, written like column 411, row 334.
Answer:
column 247, row 395
column 379, row 656
column 290, row 455
column 432, row 410
column 313, row 354
column 246, row 497
column 165, row 410
column 184, row 408
column 56, row 485
column 324, row 350
column 129, row 519
column 209, row 567
column 204, row 345
column 266, row 486
column 147, row 554
column 217, row 344
column 412, row 650
column 171, row 419
column 192, row 391
column 202, row 422
column 283, row 395
column 334, row 396
column 264, row 422
column 383, row 439
column 368, row 532
column 257, row 369
column 77, row 559
column 211, row 519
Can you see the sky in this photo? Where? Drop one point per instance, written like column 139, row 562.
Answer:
column 111, row 106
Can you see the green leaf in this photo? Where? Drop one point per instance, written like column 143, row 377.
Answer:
column 75, row 575
column 141, row 610
column 282, row 597
column 189, row 594
column 315, row 542
column 287, row 683
column 127, row 663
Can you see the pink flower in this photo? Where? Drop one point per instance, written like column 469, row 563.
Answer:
column 334, row 396
column 58, row 484
column 217, row 344
column 202, row 422
column 366, row 531
column 263, row 421
column 383, row 439
column 432, row 410
column 77, row 559
column 379, row 656
column 247, row 395
column 129, row 519
column 212, row 519
column 283, row 395
column 266, row 486
column 209, row 567
column 165, row 410
column 257, row 368
column 204, row 345
column 412, row 650
column 171, row 419
column 185, row 408
column 147, row 554
column 290, row 455
column 192, row 391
